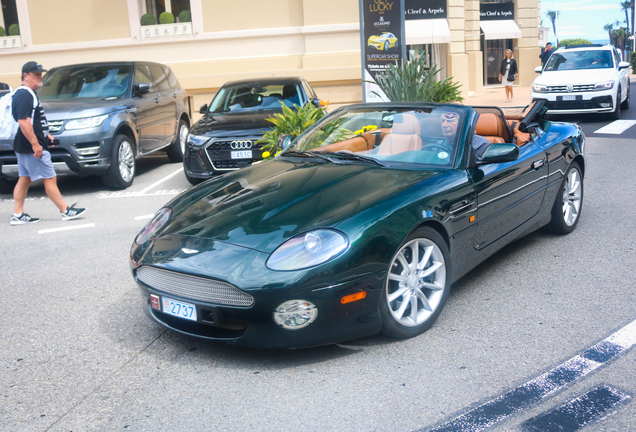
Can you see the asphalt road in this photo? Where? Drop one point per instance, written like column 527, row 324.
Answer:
column 77, row 352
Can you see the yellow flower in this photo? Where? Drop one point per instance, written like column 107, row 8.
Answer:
column 266, row 154
column 323, row 103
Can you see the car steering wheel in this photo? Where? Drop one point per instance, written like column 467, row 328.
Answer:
column 437, row 147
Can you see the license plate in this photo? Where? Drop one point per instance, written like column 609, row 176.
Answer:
column 569, row 97
column 245, row 154
column 179, row 309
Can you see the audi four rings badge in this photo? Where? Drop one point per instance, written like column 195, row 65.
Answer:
column 241, row 144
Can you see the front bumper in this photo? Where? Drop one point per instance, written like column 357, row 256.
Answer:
column 245, row 270
column 584, row 102
column 217, row 157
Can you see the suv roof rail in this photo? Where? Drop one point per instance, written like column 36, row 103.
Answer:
column 583, row 46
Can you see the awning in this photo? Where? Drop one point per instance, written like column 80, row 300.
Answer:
column 427, row 31
column 500, row 29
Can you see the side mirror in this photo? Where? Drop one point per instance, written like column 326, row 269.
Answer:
column 284, row 141
column 203, row 109
column 315, row 102
column 496, row 153
column 623, row 65
column 538, row 69
column 143, row 88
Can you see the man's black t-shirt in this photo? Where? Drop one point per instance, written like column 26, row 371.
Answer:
column 22, row 108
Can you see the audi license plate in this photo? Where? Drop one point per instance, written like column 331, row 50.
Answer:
column 243, row 154
column 569, row 97
column 179, row 309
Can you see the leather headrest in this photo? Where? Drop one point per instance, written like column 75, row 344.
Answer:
column 488, row 124
column 405, row 124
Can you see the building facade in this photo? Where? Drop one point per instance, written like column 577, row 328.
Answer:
column 216, row 41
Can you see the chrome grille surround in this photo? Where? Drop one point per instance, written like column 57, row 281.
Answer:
column 193, row 287
column 575, row 88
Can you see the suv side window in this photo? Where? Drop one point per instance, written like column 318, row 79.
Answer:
column 142, row 75
column 617, row 57
column 159, row 79
column 172, row 80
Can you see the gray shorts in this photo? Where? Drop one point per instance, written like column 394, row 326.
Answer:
column 29, row 166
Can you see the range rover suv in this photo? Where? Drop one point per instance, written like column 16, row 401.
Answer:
column 224, row 139
column 583, row 79
column 106, row 115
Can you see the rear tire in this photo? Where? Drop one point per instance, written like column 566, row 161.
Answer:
column 177, row 148
column 417, row 285
column 568, row 204
column 121, row 172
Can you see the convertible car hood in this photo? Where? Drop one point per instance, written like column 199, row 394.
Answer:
column 262, row 206
column 249, row 123
column 65, row 109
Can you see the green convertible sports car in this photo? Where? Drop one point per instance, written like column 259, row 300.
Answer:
column 359, row 226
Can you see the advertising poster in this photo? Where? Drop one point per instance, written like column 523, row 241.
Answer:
column 382, row 32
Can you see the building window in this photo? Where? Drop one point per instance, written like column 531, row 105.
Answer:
column 175, row 7
column 178, row 21
column 431, row 54
column 8, row 17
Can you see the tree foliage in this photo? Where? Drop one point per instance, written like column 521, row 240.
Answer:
column 412, row 82
column 148, row 19
column 553, row 17
column 568, row 42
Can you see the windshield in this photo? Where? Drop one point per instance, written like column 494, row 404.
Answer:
column 112, row 81
column 402, row 135
column 577, row 60
column 256, row 97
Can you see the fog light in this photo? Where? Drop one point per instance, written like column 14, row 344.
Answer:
column 295, row 314
column 605, row 104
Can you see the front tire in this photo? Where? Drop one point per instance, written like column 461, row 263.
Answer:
column 386, row 45
column 416, row 286
column 177, row 148
column 616, row 115
column 568, row 204
column 121, row 172
column 625, row 104
column 192, row 180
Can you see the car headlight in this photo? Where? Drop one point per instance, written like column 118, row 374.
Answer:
column 538, row 88
column 154, row 225
column 197, row 140
column 308, row 250
column 606, row 85
column 295, row 314
column 85, row 123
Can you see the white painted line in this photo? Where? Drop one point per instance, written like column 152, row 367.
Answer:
column 143, row 191
column 616, row 128
column 144, row 217
column 66, row 228
column 137, row 194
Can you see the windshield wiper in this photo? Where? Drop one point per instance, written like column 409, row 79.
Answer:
column 353, row 156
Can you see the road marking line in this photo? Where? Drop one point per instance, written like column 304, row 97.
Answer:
column 501, row 408
column 616, row 127
column 144, row 217
column 137, row 195
column 143, row 191
column 66, row 228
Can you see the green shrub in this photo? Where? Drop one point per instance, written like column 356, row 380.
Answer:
column 568, row 42
column 166, row 18
column 290, row 122
column 185, row 16
column 14, row 30
column 2, row 32
column 632, row 56
column 148, row 19
column 411, row 82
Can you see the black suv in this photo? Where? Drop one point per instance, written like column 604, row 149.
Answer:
column 106, row 115
column 224, row 139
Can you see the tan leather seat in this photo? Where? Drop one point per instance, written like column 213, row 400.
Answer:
column 490, row 126
column 520, row 138
column 404, row 136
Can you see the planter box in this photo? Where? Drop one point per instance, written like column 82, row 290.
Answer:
column 165, row 30
column 10, row 42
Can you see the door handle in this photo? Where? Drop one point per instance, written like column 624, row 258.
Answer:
column 156, row 100
column 538, row 164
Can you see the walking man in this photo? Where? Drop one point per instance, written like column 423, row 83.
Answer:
column 30, row 146
column 546, row 53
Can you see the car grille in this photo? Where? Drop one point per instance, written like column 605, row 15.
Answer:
column 575, row 88
column 193, row 287
column 227, row 144
column 55, row 126
column 582, row 104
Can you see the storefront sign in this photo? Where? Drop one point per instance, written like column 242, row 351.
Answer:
column 165, row 30
column 424, row 9
column 10, row 42
column 382, row 34
column 496, row 11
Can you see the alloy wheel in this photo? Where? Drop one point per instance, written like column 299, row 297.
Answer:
column 571, row 197
column 416, row 282
column 183, row 136
column 126, row 161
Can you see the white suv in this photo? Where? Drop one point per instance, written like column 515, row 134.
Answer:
column 583, row 79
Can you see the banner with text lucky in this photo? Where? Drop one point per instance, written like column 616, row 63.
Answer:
column 382, row 40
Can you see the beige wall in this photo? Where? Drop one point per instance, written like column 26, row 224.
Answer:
column 63, row 21
column 322, row 12
column 250, row 14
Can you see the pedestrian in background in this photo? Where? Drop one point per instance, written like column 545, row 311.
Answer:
column 545, row 53
column 30, row 146
column 510, row 73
